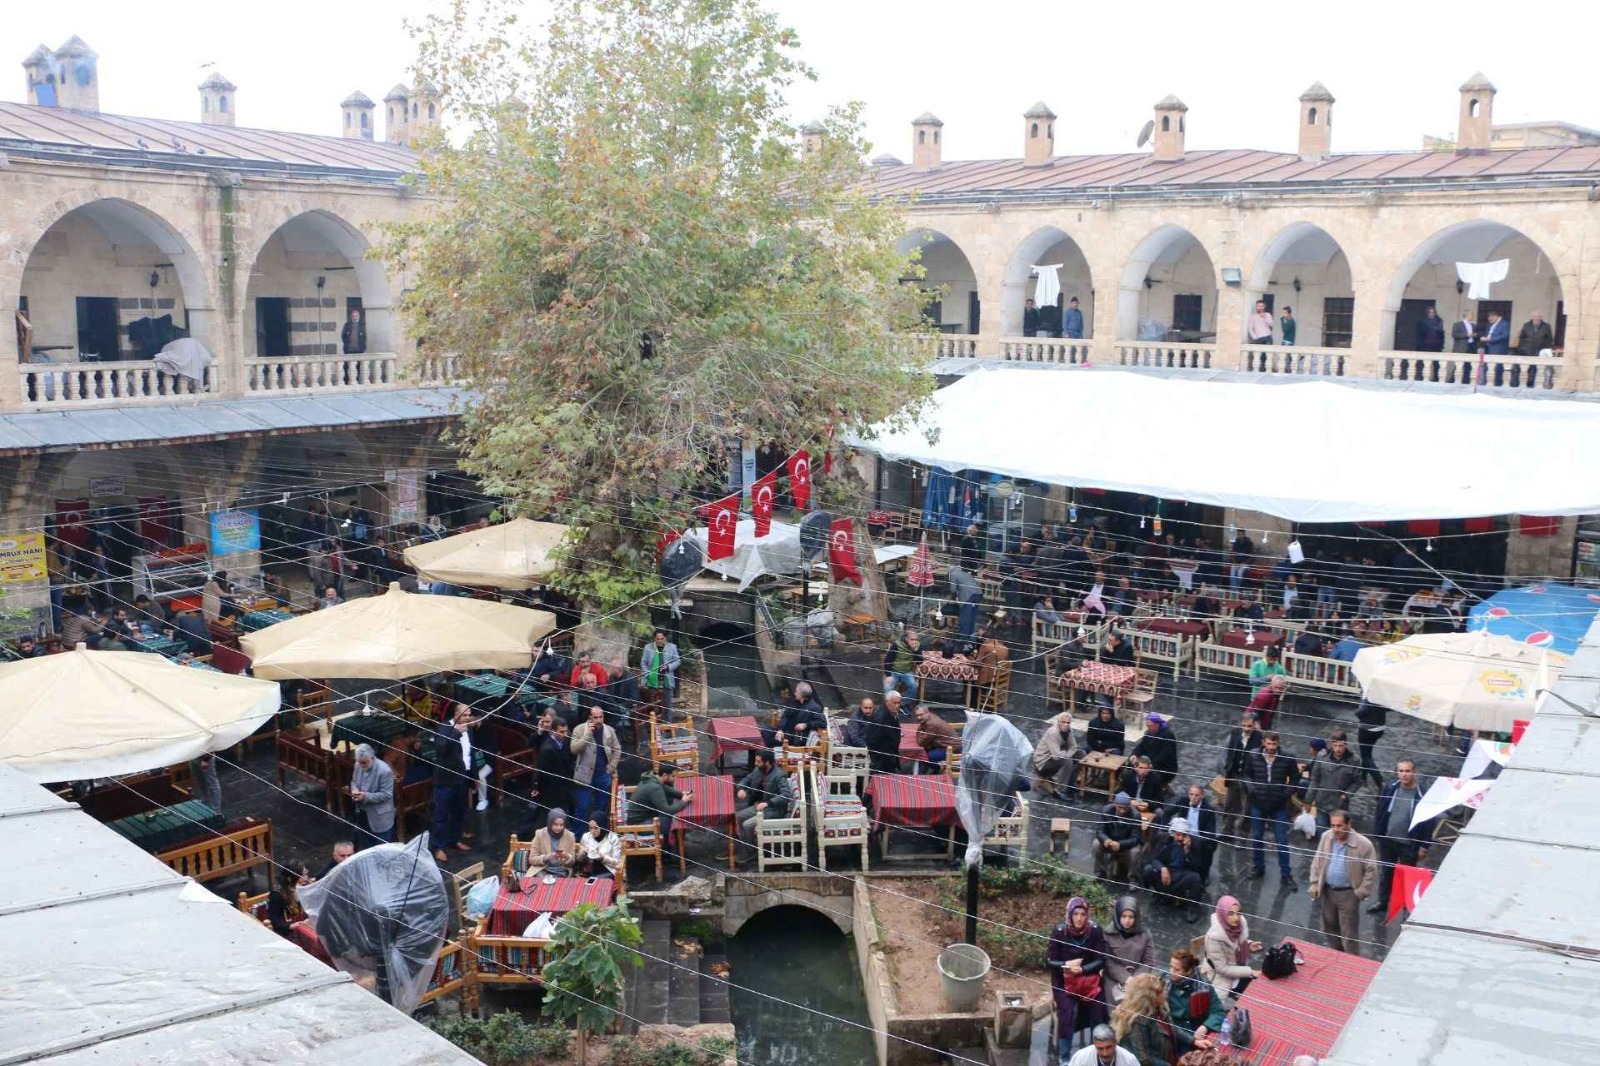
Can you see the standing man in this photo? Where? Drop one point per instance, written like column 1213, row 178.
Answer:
column 553, row 783
column 1072, row 320
column 1342, row 875
column 1536, row 336
column 452, row 773
column 1030, row 318
column 964, row 587
column 1289, row 325
column 204, row 771
column 372, row 789
column 658, row 667
column 597, row 752
column 1374, row 720
column 1463, row 333
column 1272, row 778
column 900, row 663
column 1259, row 328
column 1399, row 842
column 1333, row 779
column 354, row 334
column 1430, row 332
column 1497, row 338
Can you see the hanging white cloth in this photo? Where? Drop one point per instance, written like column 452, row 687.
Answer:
column 1479, row 276
column 184, row 357
column 1049, row 285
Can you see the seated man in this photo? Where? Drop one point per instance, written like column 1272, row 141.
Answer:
column 900, row 663
column 1117, row 839
column 1310, row 643
column 762, row 791
column 1161, row 745
column 585, row 669
column 1118, row 650
column 1045, row 611
column 991, row 653
column 551, row 669
column 1056, row 758
column 876, row 731
column 1198, row 812
column 1142, row 785
column 654, row 797
column 801, row 721
column 1173, row 869
column 935, row 735
column 1106, row 732
column 28, row 648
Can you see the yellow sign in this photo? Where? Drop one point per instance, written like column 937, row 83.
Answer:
column 22, row 559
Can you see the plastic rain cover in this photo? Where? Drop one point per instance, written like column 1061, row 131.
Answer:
column 994, row 767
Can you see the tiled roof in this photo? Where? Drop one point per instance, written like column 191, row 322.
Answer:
column 26, row 128
column 1227, row 168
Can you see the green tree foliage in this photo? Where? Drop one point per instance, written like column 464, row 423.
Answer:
column 505, row 1039
column 584, row 968
column 638, row 263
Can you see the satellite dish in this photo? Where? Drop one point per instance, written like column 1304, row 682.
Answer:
column 1144, row 134
column 814, row 529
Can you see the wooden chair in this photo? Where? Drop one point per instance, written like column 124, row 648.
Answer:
column 675, row 744
column 255, row 906
column 996, row 694
column 516, row 756
column 640, row 838
column 842, row 819
column 237, row 849
column 782, row 841
column 1144, row 689
column 306, row 758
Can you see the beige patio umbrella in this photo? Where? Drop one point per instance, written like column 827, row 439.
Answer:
column 1473, row 681
column 396, row 636
column 85, row 714
column 511, row 555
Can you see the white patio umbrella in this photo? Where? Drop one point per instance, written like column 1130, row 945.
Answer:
column 85, row 714
column 511, row 555
column 1473, row 681
column 398, row 635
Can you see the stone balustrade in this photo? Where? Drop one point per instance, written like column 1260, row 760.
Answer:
column 1167, row 355
column 1068, row 351
column 334, row 373
column 51, row 386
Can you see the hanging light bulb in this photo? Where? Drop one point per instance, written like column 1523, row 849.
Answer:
column 1430, row 544
column 1072, row 508
column 1141, row 521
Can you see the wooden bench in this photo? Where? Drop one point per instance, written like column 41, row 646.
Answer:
column 842, row 819
column 1173, row 649
column 1314, row 671
column 1222, row 659
column 452, row 972
column 782, row 841
column 306, row 758
column 235, row 850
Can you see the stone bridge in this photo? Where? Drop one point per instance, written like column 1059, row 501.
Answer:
column 827, row 894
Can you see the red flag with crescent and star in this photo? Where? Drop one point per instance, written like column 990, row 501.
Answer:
column 722, row 522
column 842, row 551
column 761, row 494
column 800, row 479
column 1410, row 882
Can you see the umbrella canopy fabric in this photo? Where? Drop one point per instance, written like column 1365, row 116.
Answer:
column 1545, row 616
column 398, row 635
column 921, row 573
column 511, row 555
column 1467, row 680
column 86, row 714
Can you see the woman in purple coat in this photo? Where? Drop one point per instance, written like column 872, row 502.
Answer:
column 1077, row 960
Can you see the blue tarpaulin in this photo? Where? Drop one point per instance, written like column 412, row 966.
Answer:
column 1546, row 616
column 952, row 501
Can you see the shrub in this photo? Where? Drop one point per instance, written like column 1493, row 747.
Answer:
column 708, row 1051
column 505, row 1039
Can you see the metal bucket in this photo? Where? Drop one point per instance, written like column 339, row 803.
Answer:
column 962, row 969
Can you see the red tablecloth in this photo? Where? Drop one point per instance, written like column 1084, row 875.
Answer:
column 736, row 733
column 712, row 805
column 879, row 518
column 1240, row 638
column 512, row 912
column 910, row 750
column 1173, row 627
column 303, row 936
column 1107, row 679
column 1303, row 1014
column 959, row 668
column 923, row 802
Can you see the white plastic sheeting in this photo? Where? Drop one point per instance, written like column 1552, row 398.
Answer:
column 1308, row 452
column 776, row 553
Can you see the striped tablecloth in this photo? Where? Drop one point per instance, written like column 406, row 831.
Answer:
column 712, row 805
column 735, row 733
column 959, row 668
column 910, row 750
column 923, row 802
column 252, row 621
column 1107, row 679
column 1240, row 638
column 1173, row 627
column 1303, row 1014
column 512, row 912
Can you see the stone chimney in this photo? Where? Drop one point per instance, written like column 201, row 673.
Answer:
column 425, row 111
column 1316, row 122
column 40, row 70
column 397, row 115
column 1169, row 129
column 811, row 136
column 356, row 117
column 217, row 101
column 1477, row 108
column 927, row 151
column 1038, row 134
column 77, row 75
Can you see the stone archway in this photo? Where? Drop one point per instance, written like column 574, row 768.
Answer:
column 1046, row 245
column 946, row 268
column 1169, row 281
column 1305, row 268
column 318, row 262
column 830, row 895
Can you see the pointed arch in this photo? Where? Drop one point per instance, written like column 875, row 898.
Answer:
column 948, row 268
column 1168, row 263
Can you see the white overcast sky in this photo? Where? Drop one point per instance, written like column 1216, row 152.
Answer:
column 1394, row 66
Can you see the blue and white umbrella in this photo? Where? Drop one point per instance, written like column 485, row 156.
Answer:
column 1545, row 616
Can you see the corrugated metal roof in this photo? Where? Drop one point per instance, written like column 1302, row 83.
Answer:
column 156, row 141
column 1501, row 961
column 119, row 427
column 1231, row 167
column 110, row 956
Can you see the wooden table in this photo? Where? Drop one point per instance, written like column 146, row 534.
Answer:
column 712, row 808
column 1304, row 1013
column 1173, row 627
column 957, row 669
column 511, row 911
column 737, row 732
column 906, row 801
column 1101, row 762
column 1241, row 638
column 377, row 730
column 160, row 829
column 1104, row 679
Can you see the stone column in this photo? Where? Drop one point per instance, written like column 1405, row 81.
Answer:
column 1368, row 324
column 1581, row 342
column 1230, row 326
column 1106, row 297
column 1532, row 558
column 991, row 298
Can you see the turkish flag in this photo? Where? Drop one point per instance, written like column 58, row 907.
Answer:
column 1410, row 882
column 842, row 551
column 1519, row 727
column 664, row 542
column 800, row 479
column 722, row 521
column 761, row 502
column 71, row 516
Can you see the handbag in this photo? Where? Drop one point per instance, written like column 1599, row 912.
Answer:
column 1241, row 1032
column 1279, row 961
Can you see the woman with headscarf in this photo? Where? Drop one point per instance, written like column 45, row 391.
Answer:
column 1228, row 949
column 1105, row 732
column 602, row 850
column 1142, row 1025
column 1130, row 951
column 554, row 849
column 1077, row 959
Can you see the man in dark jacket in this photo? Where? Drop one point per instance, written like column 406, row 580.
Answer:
column 354, row 335
column 654, row 797
column 1242, row 743
column 801, row 722
column 1161, row 745
column 1272, row 777
column 1195, row 808
column 1536, row 336
column 1333, row 779
column 1117, row 839
column 761, row 792
column 1174, row 869
column 1399, row 842
column 1430, row 332
column 1030, row 318
column 553, row 782
column 1142, row 784
column 876, row 731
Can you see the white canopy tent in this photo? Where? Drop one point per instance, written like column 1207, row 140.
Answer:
column 1311, row 451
